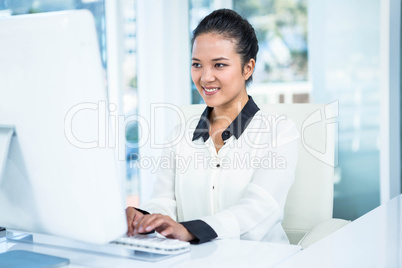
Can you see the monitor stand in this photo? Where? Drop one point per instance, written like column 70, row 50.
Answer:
column 6, row 134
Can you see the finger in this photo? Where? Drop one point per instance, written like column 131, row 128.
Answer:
column 152, row 222
column 139, row 227
column 166, row 230
column 160, row 221
column 129, row 217
column 134, row 223
column 133, row 216
column 137, row 217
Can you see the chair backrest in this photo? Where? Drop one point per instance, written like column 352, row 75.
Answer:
column 310, row 199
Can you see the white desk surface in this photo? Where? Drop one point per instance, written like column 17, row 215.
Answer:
column 373, row 240
column 217, row 253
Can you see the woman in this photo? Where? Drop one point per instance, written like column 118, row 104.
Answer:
column 227, row 191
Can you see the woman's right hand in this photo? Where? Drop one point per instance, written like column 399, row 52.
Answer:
column 133, row 217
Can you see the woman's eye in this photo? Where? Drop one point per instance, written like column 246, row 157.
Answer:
column 219, row 65
column 196, row 65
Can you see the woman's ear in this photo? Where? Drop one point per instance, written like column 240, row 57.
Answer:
column 248, row 69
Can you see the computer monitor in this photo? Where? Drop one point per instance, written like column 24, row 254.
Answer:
column 60, row 173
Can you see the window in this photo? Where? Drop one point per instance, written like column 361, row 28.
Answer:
column 130, row 97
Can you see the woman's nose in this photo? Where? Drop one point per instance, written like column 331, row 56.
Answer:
column 207, row 75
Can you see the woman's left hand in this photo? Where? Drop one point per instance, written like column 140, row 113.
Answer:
column 164, row 225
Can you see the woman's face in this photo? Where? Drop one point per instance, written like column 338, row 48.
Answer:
column 217, row 71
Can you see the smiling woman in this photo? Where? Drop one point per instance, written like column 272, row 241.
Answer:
column 223, row 61
column 217, row 71
column 224, row 199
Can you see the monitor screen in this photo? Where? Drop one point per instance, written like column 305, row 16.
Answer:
column 59, row 175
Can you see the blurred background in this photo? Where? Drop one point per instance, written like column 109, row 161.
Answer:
column 316, row 51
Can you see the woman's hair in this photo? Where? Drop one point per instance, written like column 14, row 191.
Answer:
column 231, row 25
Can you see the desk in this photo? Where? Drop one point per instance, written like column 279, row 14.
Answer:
column 373, row 240
column 217, row 253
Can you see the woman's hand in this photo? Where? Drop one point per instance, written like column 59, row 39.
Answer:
column 164, row 225
column 133, row 217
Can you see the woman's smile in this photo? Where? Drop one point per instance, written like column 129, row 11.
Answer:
column 210, row 90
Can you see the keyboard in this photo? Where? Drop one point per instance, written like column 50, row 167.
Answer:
column 152, row 244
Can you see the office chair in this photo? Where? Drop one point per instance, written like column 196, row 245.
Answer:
column 309, row 204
